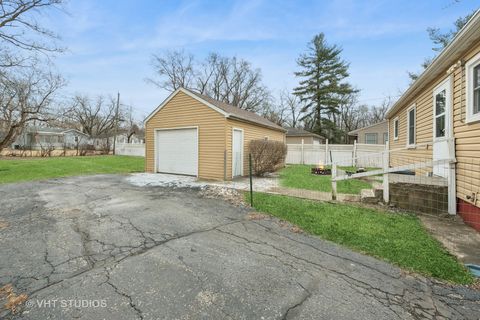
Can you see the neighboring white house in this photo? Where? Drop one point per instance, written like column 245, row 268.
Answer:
column 59, row 138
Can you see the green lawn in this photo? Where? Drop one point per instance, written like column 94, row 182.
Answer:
column 300, row 177
column 45, row 168
column 396, row 238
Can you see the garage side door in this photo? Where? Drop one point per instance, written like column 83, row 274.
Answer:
column 177, row 151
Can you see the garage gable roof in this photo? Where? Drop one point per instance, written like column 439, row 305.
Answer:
column 225, row 109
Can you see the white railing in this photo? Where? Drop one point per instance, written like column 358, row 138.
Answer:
column 347, row 154
column 130, row 149
column 430, row 170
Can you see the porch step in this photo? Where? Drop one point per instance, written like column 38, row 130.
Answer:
column 374, row 195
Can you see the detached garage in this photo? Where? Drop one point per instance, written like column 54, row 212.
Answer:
column 192, row 134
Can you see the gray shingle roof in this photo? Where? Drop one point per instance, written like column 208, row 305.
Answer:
column 238, row 113
column 298, row 132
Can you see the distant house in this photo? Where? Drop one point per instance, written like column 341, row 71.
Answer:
column 297, row 136
column 374, row 134
column 34, row 138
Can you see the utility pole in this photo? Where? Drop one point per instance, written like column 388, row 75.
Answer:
column 116, row 123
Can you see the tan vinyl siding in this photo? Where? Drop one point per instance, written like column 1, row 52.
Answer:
column 423, row 127
column 378, row 129
column 184, row 111
column 467, row 136
column 250, row 132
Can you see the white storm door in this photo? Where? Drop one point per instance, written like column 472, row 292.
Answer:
column 442, row 131
column 237, row 153
column 177, row 151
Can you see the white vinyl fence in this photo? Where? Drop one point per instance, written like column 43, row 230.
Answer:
column 130, row 149
column 347, row 154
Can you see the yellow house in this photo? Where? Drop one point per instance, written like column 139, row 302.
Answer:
column 438, row 117
column 192, row 134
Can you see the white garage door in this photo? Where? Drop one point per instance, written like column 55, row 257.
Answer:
column 177, row 151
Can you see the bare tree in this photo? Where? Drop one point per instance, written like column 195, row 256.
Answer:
column 174, row 70
column 293, row 106
column 274, row 112
column 25, row 97
column 96, row 117
column 377, row 113
column 230, row 80
column 131, row 126
column 21, row 32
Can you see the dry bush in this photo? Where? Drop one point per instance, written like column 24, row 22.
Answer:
column 85, row 149
column 267, row 155
column 46, row 151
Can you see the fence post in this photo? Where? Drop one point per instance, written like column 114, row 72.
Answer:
column 326, row 151
column 386, row 183
column 354, row 160
column 250, row 174
column 452, row 189
column 302, row 156
column 334, row 181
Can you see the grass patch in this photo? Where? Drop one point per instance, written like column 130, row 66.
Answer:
column 300, row 177
column 46, row 168
column 396, row 238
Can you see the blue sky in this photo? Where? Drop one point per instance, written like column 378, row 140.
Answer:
column 110, row 43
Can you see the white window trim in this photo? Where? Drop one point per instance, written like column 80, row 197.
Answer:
column 396, row 132
column 414, row 108
column 469, row 66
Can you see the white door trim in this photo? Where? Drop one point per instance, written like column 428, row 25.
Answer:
column 444, row 85
column 242, row 146
column 155, row 153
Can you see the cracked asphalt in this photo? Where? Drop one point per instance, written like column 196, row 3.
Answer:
column 160, row 253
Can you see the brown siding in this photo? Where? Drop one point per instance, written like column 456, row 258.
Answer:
column 250, row 132
column 184, row 111
column 467, row 136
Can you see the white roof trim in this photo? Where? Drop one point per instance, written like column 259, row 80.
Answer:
column 188, row 93
column 78, row 131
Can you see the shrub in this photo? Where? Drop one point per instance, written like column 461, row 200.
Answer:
column 267, row 155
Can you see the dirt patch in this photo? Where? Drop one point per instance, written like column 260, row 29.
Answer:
column 3, row 224
column 257, row 216
column 11, row 300
column 216, row 192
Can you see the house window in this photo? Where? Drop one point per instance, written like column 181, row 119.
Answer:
column 440, row 101
column 371, row 138
column 385, row 137
column 396, row 126
column 473, row 88
column 411, row 126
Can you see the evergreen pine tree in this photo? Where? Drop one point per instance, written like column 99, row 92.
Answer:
column 322, row 84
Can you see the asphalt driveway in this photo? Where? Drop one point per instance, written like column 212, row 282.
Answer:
column 98, row 247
